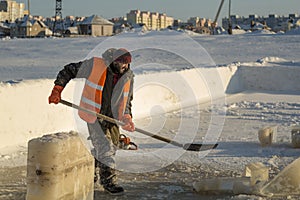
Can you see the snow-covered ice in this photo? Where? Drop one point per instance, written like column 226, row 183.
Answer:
column 247, row 82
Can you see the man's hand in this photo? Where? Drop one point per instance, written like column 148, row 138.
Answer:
column 55, row 94
column 129, row 125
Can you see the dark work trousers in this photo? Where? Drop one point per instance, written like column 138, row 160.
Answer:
column 105, row 140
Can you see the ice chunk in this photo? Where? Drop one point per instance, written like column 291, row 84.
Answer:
column 59, row 167
column 266, row 135
column 287, row 182
column 257, row 172
column 221, row 185
column 296, row 137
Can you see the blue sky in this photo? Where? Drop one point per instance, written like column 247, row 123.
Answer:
column 179, row 9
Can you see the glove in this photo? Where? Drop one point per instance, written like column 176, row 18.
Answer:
column 55, row 94
column 129, row 125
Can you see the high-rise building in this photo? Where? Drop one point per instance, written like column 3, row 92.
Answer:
column 11, row 10
column 152, row 20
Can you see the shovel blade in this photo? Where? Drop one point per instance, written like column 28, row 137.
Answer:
column 199, row 147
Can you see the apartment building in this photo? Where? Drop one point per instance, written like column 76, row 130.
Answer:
column 272, row 21
column 199, row 22
column 11, row 10
column 152, row 20
column 199, row 25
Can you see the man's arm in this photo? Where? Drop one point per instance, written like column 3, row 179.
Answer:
column 67, row 73
column 73, row 70
column 70, row 71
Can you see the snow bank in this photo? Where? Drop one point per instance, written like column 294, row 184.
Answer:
column 27, row 114
column 262, row 31
column 271, row 74
column 266, row 74
column 162, row 92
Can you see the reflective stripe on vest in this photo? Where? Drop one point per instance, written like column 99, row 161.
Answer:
column 92, row 92
column 124, row 101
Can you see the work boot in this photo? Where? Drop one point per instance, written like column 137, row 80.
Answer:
column 113, row 189
column 108, row 180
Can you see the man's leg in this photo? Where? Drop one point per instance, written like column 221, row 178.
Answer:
column 105, row 143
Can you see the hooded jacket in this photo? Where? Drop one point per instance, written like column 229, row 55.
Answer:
column 111, row 94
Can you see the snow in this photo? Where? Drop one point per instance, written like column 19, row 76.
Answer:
column 294, row 31
column 187, row 88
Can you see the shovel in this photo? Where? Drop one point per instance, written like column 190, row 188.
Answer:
column 188, row 146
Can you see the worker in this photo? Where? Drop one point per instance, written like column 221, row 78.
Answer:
column 108, row 90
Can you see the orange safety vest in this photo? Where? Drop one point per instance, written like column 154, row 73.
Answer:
column 91, row 98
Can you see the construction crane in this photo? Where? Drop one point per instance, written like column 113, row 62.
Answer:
column 214, row 24
column 58, row 14
column 229, row 19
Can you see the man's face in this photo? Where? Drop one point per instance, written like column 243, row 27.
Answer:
column 120, row 66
